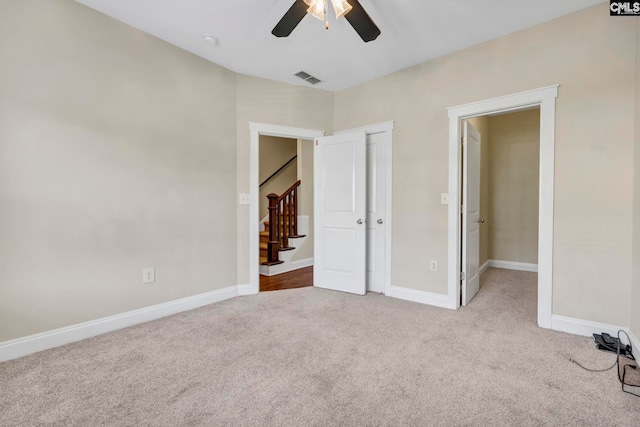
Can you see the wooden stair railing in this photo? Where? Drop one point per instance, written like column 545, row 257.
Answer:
column 283, row 222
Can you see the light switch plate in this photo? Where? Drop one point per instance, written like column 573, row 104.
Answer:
column 444, row 198
column 244, row 198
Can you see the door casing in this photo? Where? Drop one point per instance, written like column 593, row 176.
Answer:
column 257, row 129
column 545, row 98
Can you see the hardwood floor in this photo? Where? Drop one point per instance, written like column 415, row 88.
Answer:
column 291, row 280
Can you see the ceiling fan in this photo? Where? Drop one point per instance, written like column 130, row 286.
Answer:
column 351, row 10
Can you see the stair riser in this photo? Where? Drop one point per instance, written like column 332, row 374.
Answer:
column 287, row 227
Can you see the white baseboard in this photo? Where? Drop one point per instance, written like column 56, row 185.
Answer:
column 510, row 265
column 244, row 290
column 422, row 297
column 484, row 267
column 57, row 337
column 587, row 328
column 635, row 344
column 583, row 327
column 286, row 267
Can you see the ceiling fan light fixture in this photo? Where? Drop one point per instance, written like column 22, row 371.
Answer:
column 317, row 8
column 352, row 10
column 341, row 7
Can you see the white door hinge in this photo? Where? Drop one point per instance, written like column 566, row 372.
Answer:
column 461, row 209
column 463, row 276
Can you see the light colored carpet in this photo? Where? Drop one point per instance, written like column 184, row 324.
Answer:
column 314, row 357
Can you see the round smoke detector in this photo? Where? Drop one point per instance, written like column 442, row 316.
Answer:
column 209, row 38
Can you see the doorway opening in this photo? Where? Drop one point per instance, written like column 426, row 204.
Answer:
column 380, row 137
column 507, row 198
column 256, row 130
column 544, row 99
column 286, row 178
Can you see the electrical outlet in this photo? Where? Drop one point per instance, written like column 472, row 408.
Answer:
column 148, row 275
column 434, row 265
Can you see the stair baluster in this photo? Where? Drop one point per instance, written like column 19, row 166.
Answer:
column 283, row 222
column 273, row 244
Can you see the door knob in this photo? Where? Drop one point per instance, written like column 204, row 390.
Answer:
column 480, row 221
column 380, row 221
column 360, row 221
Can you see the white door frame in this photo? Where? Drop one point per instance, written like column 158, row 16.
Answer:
column 545, row 98
column 257, row 129
column 386, row 127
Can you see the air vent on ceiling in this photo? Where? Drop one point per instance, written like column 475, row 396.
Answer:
column 308, row 78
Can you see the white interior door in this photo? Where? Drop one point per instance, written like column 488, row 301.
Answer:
column 376, row 210
column 470, row 213
column 340, row 212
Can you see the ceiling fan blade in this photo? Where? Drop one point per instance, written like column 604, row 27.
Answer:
column 291, row 19
column 362, row 22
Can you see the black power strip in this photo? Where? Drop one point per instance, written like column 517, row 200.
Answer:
column 606, row 342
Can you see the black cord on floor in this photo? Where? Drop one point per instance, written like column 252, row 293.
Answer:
column 614, row 363
column 595, row 370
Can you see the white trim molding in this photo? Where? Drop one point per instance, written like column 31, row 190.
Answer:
column 484, row 267
column 421, row 297
column 255, row 130
column 511, row 265
column 583, row 327
column 286, row 267
column 57, row 337
column 245, row 289
column 635, row 344
column 370, row 129
column 545, row 98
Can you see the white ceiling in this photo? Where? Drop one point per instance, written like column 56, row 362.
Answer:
column 413, row 32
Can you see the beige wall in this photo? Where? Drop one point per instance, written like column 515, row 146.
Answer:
column 275, row 152
column 593, row 155
column 481, row 124
column 635, row 302
column 512, row 220
column 117, row 151
column 509, row 170
column 265, row 101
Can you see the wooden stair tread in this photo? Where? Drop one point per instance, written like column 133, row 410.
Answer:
column 297, row 236
column 283, row 213
column 265, row 246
